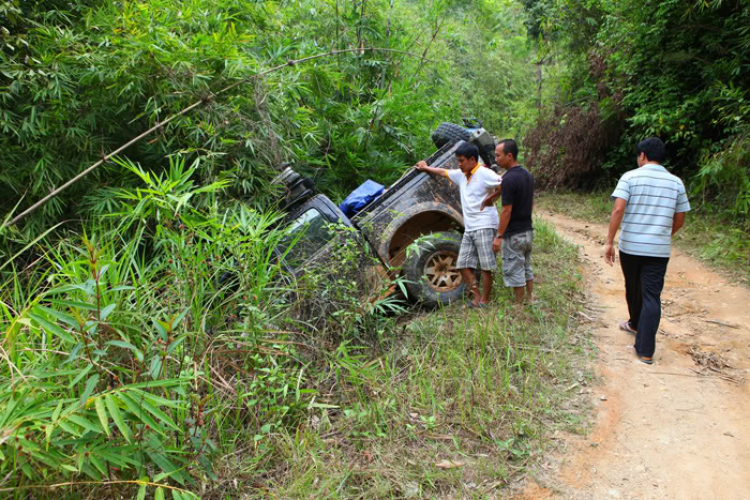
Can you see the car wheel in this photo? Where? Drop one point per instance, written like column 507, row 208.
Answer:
column 448, row 132
column 430, row 269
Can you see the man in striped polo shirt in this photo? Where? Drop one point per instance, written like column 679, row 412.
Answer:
column 651, row 204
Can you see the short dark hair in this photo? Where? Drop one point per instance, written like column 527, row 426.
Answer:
column 509, row 147
column 653, row 148
column 468, row 150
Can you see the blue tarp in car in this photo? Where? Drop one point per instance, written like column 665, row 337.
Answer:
column 357, row 199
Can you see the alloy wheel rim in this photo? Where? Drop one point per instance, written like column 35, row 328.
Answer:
column 441, row 273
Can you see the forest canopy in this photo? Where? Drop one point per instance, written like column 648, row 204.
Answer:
column 79, row 79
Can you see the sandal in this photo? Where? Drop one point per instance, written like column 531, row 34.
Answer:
column 644, row 359
column 625, row 327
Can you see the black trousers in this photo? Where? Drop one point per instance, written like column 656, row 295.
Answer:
column 644, row 281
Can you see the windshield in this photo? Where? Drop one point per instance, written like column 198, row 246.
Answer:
column 313, row 231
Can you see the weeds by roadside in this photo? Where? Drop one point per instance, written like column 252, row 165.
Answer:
column 452, row 402
column 715, row 239
column 165, row 354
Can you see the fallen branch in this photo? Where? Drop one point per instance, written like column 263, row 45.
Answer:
column 210, row 97
column 728, row 325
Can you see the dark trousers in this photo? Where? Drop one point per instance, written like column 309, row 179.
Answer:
column 644, row 281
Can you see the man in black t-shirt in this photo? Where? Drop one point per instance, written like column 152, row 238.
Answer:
column 514, row 234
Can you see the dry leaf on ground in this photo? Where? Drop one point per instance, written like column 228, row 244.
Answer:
column 448, row 464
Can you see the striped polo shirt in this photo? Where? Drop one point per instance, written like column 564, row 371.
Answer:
column 653, row 196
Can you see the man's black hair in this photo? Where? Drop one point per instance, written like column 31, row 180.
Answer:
column 468, row 150
column 510, row 147
column 653, row 148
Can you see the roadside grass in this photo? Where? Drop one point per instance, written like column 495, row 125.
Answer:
column 709, row 236
column 448, row 403
column 160, row 357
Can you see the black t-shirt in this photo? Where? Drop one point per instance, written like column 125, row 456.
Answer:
column 518, row 190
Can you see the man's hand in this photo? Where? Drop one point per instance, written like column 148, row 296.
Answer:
column 487, row 202
column 609, row 254
column 421, row 166
column 490, row 199
column 496, row 244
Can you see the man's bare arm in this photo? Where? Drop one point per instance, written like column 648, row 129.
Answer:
column 423, row 167
column 678, row 221
column 504, row 218
column 491, row 198
column 504, row 221
column 614, row 224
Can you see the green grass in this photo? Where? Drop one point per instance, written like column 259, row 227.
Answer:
column 124, row 358
column 485, row 390
column 713, row 238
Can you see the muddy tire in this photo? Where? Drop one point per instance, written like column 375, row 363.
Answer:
column 449, row 132
column 430, row 270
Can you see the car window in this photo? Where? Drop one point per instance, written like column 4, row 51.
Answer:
column 313, row 230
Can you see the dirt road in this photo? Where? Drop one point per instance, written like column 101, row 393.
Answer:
column 678, row 429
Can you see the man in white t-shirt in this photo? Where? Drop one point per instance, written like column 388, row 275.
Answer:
column 475, row 182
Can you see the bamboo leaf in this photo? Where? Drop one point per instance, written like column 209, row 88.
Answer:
column 102, row 412
column 114, row 412
column 51, row 327
column 85, row 423
column 159, row 495
column 142, row 415
column 158, row 400
column 65, row 318
column 170, row 382
column 64, row 425
column 73, row 304
column 96, row 461
column 80, row 376
column 123, row 344
column 107, row 311
column 168, row 467
column 122, row 457
column 89, row 389
column 156, row 412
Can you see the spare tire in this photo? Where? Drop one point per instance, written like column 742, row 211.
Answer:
column 449, row 132
column 430, row 269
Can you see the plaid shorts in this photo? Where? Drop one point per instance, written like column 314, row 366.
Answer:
column 476, row 250
column 517, row 259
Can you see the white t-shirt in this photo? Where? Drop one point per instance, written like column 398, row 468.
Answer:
column 482, row 183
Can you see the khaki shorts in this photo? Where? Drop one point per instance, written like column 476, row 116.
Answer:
column 517, row 259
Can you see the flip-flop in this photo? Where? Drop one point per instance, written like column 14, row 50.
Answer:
column 643, row 359
column 625, row 327
column 472, row 305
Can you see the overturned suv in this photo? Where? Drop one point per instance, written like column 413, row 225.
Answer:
column 413, row 230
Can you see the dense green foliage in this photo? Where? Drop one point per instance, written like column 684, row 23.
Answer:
column 636, row 68
column 78, row 79
column 143, row 352
column 162, row 354
column 150, row 341
column 151, row 344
